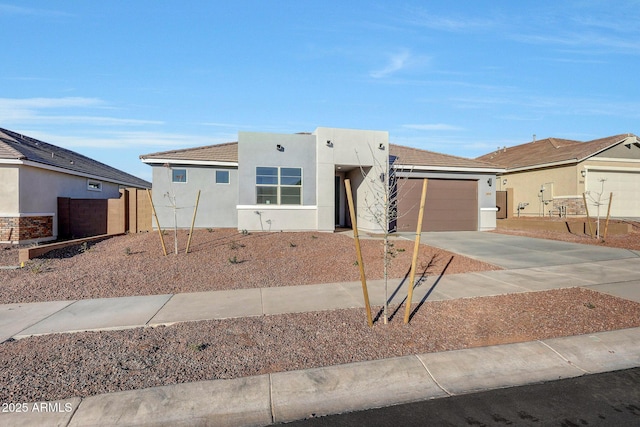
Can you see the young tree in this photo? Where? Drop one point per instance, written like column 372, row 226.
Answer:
column 381, row 204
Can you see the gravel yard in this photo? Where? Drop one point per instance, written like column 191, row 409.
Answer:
column 83, row 364
column 221, row 259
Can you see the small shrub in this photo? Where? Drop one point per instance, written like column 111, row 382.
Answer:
column 292, row 245
column 84, row 247
column 589, row 305
column 235, row 245
column 234, row 260
column 245, row 233
column 127, row 251
column 198, row 347
column 210, row 230
column 314, row 237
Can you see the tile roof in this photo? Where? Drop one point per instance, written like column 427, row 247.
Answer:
column 14, row 146
column 418, row 157
column 227, row 152
column 550, row 150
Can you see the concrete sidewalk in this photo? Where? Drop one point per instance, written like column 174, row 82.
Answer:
column 619, row 277
column 288, row 396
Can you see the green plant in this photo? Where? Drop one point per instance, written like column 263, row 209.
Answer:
column 314, row 237
column 235, row 245
column 38, row 266
column 292, row 245
column 234, row 260
column 210, row 230
column 198, row 347
column 356, row 263
column 245, row 233
column 589, row 305
column 84, row 247
column 127, row 251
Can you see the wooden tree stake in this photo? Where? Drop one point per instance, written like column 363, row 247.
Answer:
column 416, row 249
column 153, row 209
column 193, row 221
column 363, row 279
column 606, row 224
column 586, row 208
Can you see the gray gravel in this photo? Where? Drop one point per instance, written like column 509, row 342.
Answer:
column 58, row 366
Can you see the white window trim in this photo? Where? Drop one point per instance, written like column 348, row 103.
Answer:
column 97, row 184
column 228, row 177
column 278, row 186
column 186, row 176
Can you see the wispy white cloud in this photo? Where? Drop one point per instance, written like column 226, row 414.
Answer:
column 402, row 60
column 396, row 62
column 10, row 9
column 434, row 126
column 49, row 102
column 38, row 111
column 420, row 17
column 149, row 141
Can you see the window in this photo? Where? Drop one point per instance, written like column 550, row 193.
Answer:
column 222, row 177
column 278, row 186
column 94, row 185
column 178, row 175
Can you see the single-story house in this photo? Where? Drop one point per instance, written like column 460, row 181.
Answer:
column 296, row 182
column 34, row 174
column 551, row 176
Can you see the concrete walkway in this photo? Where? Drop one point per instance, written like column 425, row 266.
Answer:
column 288, row 396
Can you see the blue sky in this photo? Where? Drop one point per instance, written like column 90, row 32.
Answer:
column 117, row 79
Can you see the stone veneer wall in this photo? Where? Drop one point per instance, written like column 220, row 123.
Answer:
column 573, row 205
column 17, row 229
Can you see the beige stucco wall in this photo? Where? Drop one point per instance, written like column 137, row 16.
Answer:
column 563, row 181
column 9, row 190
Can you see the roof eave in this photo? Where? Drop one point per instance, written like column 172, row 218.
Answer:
column 542, row 165
column 449, row 168
column 77, row 173
column 188, row 162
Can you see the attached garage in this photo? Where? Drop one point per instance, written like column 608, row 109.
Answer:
column 625, row 186
column 451, row 205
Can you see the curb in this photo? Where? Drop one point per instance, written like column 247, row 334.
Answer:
column 288, row 396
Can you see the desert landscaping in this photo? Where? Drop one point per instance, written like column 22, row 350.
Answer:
column 58, row 366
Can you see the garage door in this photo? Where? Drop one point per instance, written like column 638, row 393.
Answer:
column 625, row 187
column 451, row 205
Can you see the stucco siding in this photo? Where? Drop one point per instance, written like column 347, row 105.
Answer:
column 217, row 204
column 9, row 201
column 538, row 188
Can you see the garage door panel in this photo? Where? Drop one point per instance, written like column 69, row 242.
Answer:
column 451, row 205
column 625, row 187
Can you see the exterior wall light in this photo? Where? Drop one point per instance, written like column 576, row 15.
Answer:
column 329, row 143
column 490, row 182
column 504, row 181
column 381, row 146
column 279, row 147
column 583, row 173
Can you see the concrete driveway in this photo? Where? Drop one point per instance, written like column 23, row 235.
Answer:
column 511, row 252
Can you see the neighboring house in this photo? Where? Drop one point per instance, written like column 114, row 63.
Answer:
column 549, row 176
column 34, row 174
column 295, row 182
